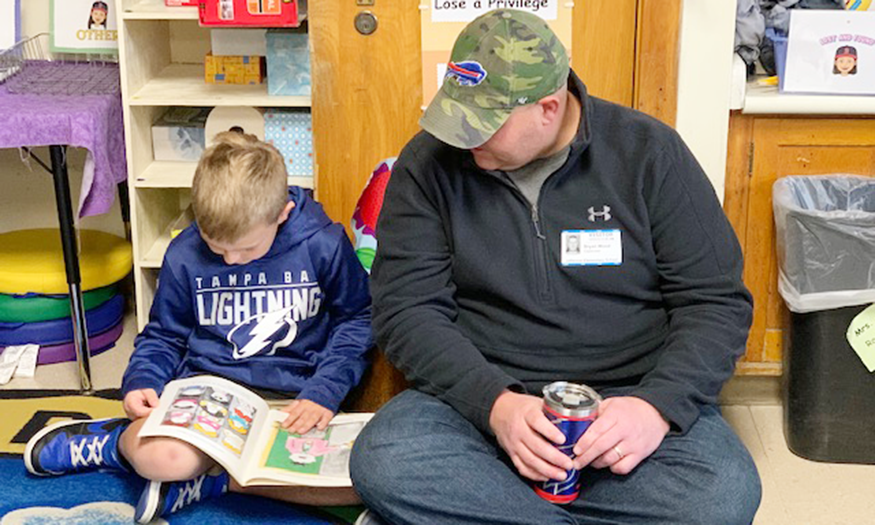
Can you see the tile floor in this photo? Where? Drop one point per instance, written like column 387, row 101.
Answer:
column 795, row 491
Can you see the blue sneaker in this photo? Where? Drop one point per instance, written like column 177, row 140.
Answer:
column 160, row 499
column 76, row 446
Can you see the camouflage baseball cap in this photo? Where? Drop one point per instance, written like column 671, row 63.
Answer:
column 503, row 59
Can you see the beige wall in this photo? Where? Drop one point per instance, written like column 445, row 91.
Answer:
column 704, row 81
column 27, row 198
column 34, row 17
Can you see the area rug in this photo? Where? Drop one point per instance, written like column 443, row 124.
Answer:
column 103, row 498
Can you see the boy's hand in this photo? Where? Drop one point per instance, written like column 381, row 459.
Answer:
column 304, row 415
column 140, row 403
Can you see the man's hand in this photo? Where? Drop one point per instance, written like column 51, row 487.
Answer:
column 304, row 415
column 627, row 431
column 525, row 433
column 140, row 403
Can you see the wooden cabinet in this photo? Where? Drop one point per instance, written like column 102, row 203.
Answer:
column 761, row 150
column 367, row 94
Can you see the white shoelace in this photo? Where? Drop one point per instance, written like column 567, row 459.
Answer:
column 94, row 450
column 190, row 491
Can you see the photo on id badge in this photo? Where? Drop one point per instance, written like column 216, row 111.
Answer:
column 591, row 248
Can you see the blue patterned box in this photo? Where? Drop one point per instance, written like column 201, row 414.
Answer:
column 288, row 63
column 291, row 132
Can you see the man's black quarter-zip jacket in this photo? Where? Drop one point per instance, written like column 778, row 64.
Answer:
column 471, row 295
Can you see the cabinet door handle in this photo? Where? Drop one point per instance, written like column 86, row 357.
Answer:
column 365, row 23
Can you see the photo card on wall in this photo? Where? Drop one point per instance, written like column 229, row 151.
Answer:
column 831, row 52
column 84, row 26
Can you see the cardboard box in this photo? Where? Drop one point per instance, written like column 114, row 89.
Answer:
column 249, row 13
column 288, row 63
column 178, row 135
column 233, row 69
column 238, row 42
column 291, row 132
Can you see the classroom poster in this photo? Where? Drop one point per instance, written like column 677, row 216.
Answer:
column 831, row 52
column 84, row 26
column 443, row 20
column 10, row 23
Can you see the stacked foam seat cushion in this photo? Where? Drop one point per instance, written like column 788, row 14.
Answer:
column 34, row 307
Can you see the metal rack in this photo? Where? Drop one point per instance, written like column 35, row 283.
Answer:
column 30, row 68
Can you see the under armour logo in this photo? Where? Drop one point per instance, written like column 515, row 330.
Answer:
column 605, row 214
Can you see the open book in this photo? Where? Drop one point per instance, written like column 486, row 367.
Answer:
column 236, row 427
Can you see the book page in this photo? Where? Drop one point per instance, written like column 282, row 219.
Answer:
column 319, row 458
column 215, row 415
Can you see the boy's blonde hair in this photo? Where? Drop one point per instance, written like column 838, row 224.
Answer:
column 240, row 182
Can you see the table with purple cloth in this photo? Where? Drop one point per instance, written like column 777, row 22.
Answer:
column 93, row 122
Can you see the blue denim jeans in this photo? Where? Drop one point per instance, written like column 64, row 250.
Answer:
column 420, row 462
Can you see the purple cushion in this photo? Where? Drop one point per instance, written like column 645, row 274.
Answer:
column 67, row 352
column 97, row 344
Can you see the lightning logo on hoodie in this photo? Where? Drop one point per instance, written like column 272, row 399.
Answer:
column 275, row 329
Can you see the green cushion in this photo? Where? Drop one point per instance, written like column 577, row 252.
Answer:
column 33, row 308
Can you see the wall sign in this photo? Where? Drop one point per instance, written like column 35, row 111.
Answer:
column 467, row 10
column 84, row 26
column 831, row 52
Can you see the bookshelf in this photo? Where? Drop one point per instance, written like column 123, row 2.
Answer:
column 161, row 54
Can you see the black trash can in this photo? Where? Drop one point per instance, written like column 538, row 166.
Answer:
column 829, row 395
column 826, row 252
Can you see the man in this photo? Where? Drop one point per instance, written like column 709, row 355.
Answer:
column 475, row 301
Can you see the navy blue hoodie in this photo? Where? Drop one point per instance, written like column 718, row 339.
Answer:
column 295, row 320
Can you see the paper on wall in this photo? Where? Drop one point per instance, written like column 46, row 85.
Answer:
column 10, row 23
column 830, row 52
column 861, row 336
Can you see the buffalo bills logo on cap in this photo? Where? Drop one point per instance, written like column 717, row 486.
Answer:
column 467, row 73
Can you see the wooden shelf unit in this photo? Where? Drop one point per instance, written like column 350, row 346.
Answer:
column 161, row 55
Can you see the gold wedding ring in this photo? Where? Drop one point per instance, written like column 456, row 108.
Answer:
column 619, row 452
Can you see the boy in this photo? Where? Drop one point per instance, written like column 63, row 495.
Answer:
column 264, row 290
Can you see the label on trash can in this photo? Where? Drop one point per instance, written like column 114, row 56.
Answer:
column 861, row 336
